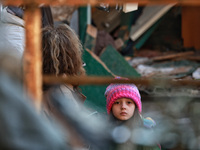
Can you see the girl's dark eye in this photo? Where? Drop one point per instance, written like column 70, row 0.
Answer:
column 129, row 102
column 116, row 103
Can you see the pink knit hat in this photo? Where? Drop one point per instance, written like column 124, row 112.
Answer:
column 116, row 91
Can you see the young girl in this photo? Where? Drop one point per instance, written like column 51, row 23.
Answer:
column 124, row 107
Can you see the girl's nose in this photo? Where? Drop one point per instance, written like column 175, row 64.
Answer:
column 123, row 105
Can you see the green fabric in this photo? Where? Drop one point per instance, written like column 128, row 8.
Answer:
column 94, row 93
column 117, row 64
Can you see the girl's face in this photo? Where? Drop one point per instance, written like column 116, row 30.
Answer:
column 123, row 108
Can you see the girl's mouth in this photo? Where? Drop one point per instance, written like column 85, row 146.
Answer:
column 123, row 113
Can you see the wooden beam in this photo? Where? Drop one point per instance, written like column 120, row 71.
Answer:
column 94, row 2
column 32, row 54
column 100, row 80
column 172, row 56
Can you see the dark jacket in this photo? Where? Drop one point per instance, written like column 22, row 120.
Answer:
column 134, row 135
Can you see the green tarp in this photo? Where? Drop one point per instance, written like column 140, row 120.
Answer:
column 94, row 93
column 117, row 64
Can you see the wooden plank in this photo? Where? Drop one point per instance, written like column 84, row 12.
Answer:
column 149, row 16
column 172, row 56
column 102, row 80
column 32, row 55
column 94, row 2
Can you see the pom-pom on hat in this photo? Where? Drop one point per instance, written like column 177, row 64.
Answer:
column 116, row 91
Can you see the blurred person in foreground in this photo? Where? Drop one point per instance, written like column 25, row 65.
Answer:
column 12, row 27
column 130, row 131
column 21, row 126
